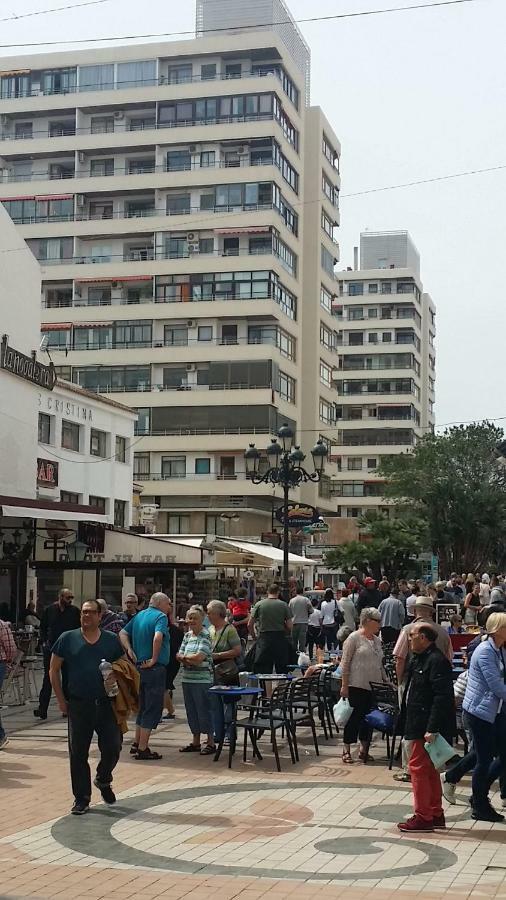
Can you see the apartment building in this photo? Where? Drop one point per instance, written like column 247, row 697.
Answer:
column 182, row 199
column 386, row 375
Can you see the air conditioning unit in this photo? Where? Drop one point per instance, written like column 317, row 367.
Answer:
column 242, row 150
column 194, row 248
column 80, row 200
column 81, row 156
column 190, row 367
column 191, row 237
column 193, row 148
column 191, row 323
column 119, row 114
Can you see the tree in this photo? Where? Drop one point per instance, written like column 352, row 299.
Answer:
column 389, row 546
column 456, row 485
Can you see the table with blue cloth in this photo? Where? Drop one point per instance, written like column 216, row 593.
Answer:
column 234, row 696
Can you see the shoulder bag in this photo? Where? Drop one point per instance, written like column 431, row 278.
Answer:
column 225, row 672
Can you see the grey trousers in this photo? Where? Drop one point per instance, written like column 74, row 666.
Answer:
column 299, row 637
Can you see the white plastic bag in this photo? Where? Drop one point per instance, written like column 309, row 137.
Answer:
column 303, row 661
column 342, row 712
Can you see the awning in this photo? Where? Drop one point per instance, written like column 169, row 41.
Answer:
column 16, row 71
column 35, row 512
column 272, row 554
column 93, row 324
column 13, row 199
column 54, row 197
column 56, row 326
column 259, row 229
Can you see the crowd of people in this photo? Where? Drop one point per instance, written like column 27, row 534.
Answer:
column 101, row 664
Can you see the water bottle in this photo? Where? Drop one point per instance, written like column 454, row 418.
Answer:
column 107, row 670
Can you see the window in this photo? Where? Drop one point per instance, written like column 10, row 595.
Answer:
column 205, row 333
column 141, row 166
column 178, row 204
column 372, row 288
column 96, row 78
column 373, row 338
column 179, row 161
column 286, row 387
column 134, row 333
column 13, row 86
column 70, row 435
column 328, row 225
column 101, row 167
column 326, row 337
column 325, row 299
column 141, row 464
column 386, row 287
column 207, row 159
column 143, row 424
column 178, row 524
column 44, row 429
column 58, row 81
column 355, row 312
column 69, row 497
column 325, row 374
column 119, row 513
column 329, row 152
column 176, row 336
column 131, row 74
column 208, row 72
column 173, row 466
column 327, row 412
column 58, row 339
column 356, row 338
column 354, row 464
column 372, row 312
column 102, row 124
column 98, row 443
column 331, row 192
column 355, row 289
column 327, row 261
column 180, row 74
column 203, row 466
column 386, row 337
column 372, row 462
column 120, row 449
column 229, row 334
column 23, row 130
column 98, row 503
column 233, row 70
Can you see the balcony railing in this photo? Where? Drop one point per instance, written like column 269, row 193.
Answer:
column 146, row 387
column 142, row 213
column 195, row 432
column 159, row 343
column 210, row 476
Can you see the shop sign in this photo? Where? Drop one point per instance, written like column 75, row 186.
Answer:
column 145, row 559
column 318, row 527
column 47, row 473
column 299, row 514
column 66, row 407
column 26, row 367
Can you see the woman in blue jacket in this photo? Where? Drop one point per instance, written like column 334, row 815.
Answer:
column 485, row 704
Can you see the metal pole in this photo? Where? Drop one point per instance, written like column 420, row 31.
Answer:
column 286, row 592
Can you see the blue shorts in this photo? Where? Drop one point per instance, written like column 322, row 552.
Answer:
column 151, row 695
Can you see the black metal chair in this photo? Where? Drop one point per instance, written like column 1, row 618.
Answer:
column 300, row 710
column 269, row 714
column 385, row 715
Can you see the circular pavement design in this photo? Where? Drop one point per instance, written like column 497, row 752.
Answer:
column 261, row 823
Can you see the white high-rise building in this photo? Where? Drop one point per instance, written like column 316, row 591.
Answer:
column 182, row 199
column 386, row 375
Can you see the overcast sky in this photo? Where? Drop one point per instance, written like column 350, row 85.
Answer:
column 411, row 95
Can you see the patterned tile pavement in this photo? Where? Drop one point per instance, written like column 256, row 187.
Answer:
column 186, row 827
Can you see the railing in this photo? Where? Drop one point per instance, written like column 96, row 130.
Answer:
column 211, row 476
column 141, row 83
column 143, row 213
column 160, row 343
column 146, row 387
column 243, row 162
column 195, row 432
column 349, row 441
column 156, row 126
column 78, row 302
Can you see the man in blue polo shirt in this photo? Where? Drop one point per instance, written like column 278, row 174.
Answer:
column 145, row 639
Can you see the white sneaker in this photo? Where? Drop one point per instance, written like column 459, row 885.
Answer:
column 448, row 790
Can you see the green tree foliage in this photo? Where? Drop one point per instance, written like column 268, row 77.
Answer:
column 456, row 485
column 389, row 547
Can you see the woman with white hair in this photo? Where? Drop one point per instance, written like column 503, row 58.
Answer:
column 362, row 663
column 196, row 657
column 485, row 705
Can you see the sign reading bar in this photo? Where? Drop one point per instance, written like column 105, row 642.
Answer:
column 26, row 367
column 47, row 472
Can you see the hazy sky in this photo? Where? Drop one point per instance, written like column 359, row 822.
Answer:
column 411, row 95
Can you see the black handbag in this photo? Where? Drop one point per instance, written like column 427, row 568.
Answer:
column 226, row 672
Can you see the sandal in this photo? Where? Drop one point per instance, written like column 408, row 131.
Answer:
column 147, row 754
column 365, row 758
column 405, row 777
column 134, row 748
column 207, row 750
column 347, row 758
column 190, row 748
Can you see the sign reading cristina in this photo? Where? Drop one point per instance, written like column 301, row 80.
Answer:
column 26, row 367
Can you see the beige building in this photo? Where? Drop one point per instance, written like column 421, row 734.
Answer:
column 386, row 374
column 182, row 199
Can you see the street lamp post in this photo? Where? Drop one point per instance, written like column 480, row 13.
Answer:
column 285, row 468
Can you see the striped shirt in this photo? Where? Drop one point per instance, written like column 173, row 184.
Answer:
column 197, row 643
column 8, row 647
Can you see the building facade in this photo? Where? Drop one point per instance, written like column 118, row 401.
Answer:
column 182, row 199
column 386, row 374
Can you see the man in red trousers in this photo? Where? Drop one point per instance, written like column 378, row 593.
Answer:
column 428, row 709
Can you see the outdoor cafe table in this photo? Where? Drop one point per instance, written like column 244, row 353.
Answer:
column 232, row 695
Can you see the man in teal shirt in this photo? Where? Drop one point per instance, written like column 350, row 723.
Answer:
column 145, row 639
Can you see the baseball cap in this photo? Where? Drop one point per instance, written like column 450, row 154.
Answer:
column 369, row 582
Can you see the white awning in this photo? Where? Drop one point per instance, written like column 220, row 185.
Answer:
column 36, row 512
column 264, row 550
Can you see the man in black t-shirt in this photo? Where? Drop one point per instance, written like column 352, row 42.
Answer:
column 56, row 618
column 86, row 703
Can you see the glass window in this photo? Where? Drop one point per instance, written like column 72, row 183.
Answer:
column 44, row 429
column 372, row 288
column 178, row 524
column 372, row 462
column 58, row 81
column 173, row 466
column 205, row 333
column 120, row 449
column 325, row 374
column 180, row 74
column 327, row 261
column 98, row 503
column 179, row 160
column 13, row 86
column 96, row 78
column 178, row 204
column 354, row 464
column 203, row 466
column 355, row 289
column 286, row 387
column 208, row 72
column 70, row 435
column 325, row 299
column 141, row 464
column 69, row 497
column 98, row 443
column 176, row 336
column 207, row 159
column 23, row 130
column 133, row 74
column 102, row 124
column 143, row 424
column 120, row 513
column 99, row 167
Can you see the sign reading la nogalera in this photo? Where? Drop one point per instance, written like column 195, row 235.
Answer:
column 26, row 367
